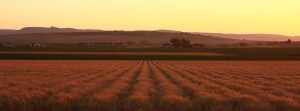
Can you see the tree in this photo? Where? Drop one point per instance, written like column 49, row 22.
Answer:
column 185, row 43
column 180, row 42
column 289, row 41
column 175, row 42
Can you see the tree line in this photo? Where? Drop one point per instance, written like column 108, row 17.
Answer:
column 182, row 43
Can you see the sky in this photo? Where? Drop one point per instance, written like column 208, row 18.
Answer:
column 221, row 16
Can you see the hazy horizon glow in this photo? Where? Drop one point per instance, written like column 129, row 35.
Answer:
column 224, row 16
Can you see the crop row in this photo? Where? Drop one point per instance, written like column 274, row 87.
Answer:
column 149, row 86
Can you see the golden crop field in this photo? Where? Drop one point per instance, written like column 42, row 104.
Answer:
column 120, row 85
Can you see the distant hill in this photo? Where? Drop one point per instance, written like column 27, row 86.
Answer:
column 153, row 37
column 27, row 30
column 7, row 31
column 250, row 37
column 253, row 37
column 170, row 31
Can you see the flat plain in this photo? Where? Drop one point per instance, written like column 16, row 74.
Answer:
column 149, row 85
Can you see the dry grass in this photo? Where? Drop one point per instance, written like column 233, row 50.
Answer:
column 149, row 85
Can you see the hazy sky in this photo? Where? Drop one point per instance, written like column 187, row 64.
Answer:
column 226, row 16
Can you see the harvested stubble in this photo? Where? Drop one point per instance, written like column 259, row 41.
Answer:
column 149, row 85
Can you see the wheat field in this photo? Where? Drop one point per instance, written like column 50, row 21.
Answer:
column 116, row 85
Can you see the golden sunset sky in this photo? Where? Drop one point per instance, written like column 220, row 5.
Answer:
column 224, row 16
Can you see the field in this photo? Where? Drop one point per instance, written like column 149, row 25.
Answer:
column 115, row 53
column 149, row 85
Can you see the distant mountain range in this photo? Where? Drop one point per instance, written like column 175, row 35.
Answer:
column 248, row 37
